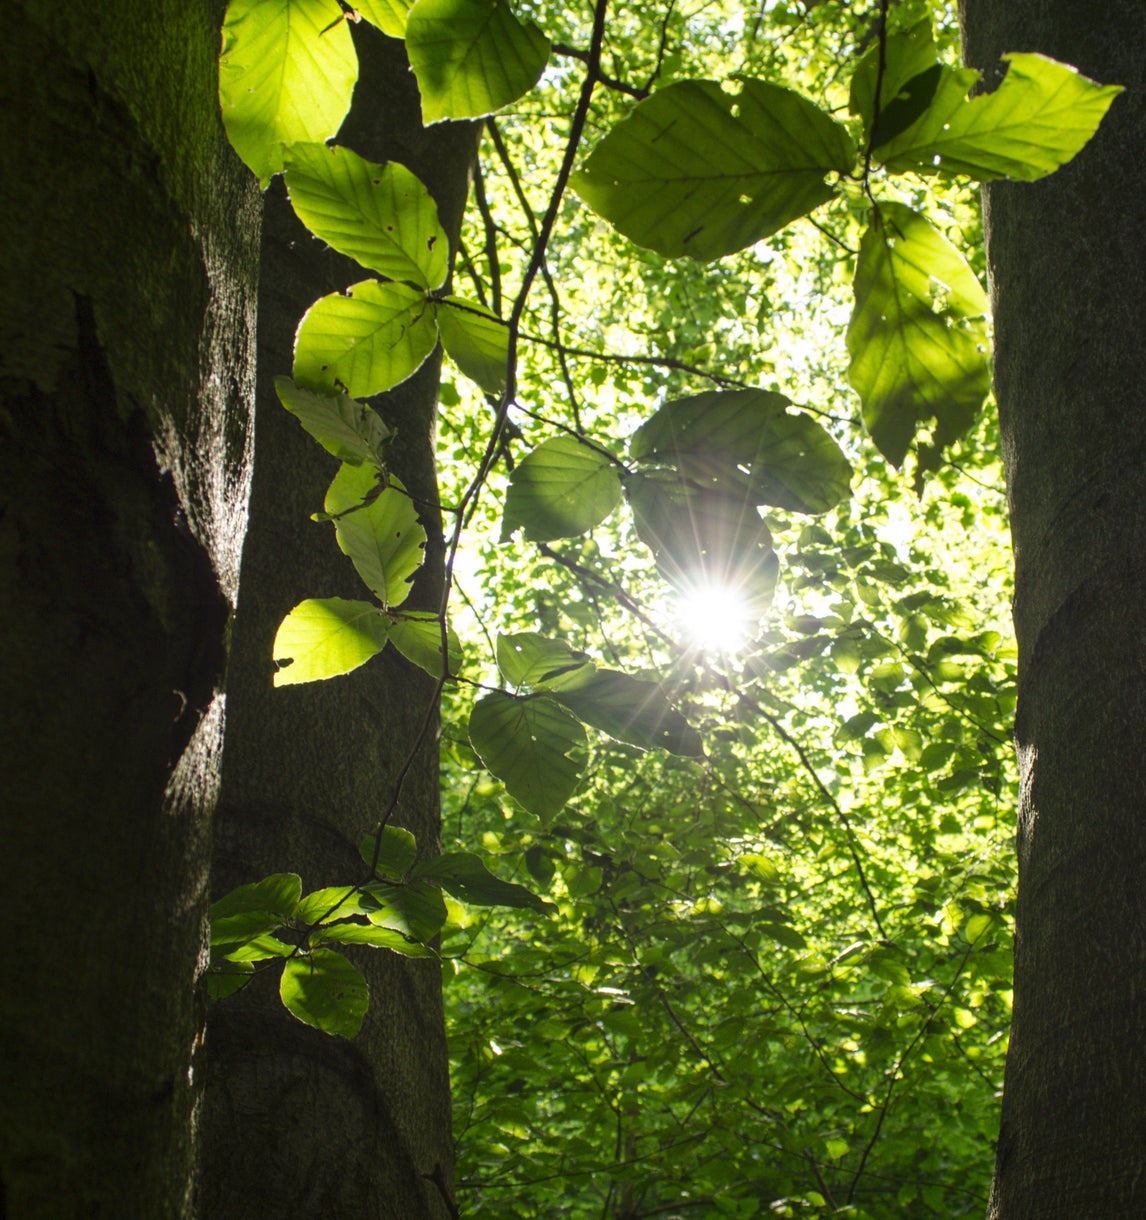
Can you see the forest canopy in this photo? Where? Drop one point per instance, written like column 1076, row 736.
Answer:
column 725, row 659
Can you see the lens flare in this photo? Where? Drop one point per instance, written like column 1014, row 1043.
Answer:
column 716, row 619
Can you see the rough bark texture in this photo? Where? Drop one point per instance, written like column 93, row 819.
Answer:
column 298, row 1123
column 1066, row 268
column 128, row 269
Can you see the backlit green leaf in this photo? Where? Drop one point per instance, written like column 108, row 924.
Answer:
column 375, row 937
column 704, row 540
column 908, row 58
column 388, row 15
column 562, row 489
column 332, row 902
column 225, row 978
column 476, row 341
column 286, row 73
column 917, row 340
column 1037, row 120
column 739, row 441
column 397, row 853
column 532, row 745
column 783, row 934
column 365, row 341
column 380, row 215
column 260, row 949
column 350, row 430
column 384, row 540
column 417, row 911
column 466, row 876
column 528, row 658
column 322, row 638
column 417, row 635
column 352, row 487
column 631, row 710
column 252, row 909
column 702, row 170
column 471, row 57
column 324, row 990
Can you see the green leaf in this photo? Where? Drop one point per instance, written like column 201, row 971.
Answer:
column 327, row 637
column 380, row 215
column 1036, row 121
column 783, row 934
column 631, row 710
column 324, row 990
column 286, row 73
column 366, row 341
column 533, row 746
column 260, row 949
column 417, row 911
column 528, row 658
column 976, row 926
column 225, row 978
column 353, row 487
column 476, row 340
column 465, row 875
column 388, row 15
column 350, row 430
column 417, row 635
column 471, row 57
column 739, row 441
column 383, row 538
column 397, row 854
column 252, row 909
column 376, row 938
column 696, row 169
column 764, row 868
column 909, row 57
column 917, row 340
column 562, row 489
column 703, row 540
column 332, row 902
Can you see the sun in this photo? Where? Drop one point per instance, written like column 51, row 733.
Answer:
column 716, row 618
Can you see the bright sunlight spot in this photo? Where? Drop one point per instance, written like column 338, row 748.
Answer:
column 716, row 619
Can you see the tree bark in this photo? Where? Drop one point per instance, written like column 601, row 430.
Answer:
column 126, row 378
column 1065, row 258
column 298, row 1123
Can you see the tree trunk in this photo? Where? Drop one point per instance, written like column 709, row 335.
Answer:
column 299, row 1123
column 126, row 377
column 1065, row 258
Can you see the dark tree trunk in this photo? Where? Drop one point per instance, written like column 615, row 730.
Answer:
column 298, row 1123
column 128, row 269
column 1066, row 262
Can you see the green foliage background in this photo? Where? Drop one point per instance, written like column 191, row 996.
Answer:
column 709, row 1018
